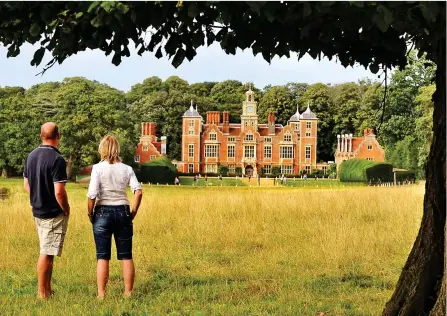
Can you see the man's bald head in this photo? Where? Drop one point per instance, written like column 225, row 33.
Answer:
column 49, row 131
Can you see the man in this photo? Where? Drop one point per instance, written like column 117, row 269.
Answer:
column 45, row 176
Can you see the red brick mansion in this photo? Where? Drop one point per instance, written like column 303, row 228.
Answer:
column 149, row 147
column 363, row 147
column 248, row 145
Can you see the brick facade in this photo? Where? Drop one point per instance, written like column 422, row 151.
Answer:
column 149, row 147
column 364, row 147
column 248, row 145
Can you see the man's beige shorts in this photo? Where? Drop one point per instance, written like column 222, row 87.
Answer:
column 51, row 233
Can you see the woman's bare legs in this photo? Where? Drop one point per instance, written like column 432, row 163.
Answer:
column 129, row 276
column 102, row 276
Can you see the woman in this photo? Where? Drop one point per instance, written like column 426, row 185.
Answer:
column 112, row 215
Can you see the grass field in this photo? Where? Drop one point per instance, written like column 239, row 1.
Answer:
column 211, row 182
column 224, row 251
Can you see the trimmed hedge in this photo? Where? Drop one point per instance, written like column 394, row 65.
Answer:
column 405, row 175
column 360, row 170
column 159, row 170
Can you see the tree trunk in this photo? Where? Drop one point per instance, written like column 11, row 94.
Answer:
column 69, row 167
column 421, row 286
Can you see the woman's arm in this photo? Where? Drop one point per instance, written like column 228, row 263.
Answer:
column 93, row 193
column 136, row 202
column 90, row 207
column 135, row 186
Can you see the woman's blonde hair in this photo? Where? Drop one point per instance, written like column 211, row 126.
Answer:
column 109, row 149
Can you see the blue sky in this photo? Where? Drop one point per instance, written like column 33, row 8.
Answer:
column 210, row 64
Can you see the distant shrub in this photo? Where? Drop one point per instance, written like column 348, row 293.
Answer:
column 159, row 170
column 332, row 170
column 360, row 170
column 223, row 170
column 405, row 175
column 276, row 171
column 238, row 171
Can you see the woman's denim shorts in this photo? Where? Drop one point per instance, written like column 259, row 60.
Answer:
column 113, row 220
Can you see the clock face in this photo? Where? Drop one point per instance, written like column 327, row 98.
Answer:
column 249, row 109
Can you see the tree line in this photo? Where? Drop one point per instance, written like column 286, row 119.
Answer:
column 86, row 110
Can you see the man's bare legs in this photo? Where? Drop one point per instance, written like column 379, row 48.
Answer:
column 44, row 273
column 102, row 276
column 129, row 276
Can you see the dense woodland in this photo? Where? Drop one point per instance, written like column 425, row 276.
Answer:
column 87, row 110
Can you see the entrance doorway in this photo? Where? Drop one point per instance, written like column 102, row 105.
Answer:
column 249, row 171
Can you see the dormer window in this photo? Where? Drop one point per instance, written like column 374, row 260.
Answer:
column 249, row 137
column 213, row 136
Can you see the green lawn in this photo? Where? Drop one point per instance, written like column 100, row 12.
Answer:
column 211, row 182
column 223, row 251
column 326, row 183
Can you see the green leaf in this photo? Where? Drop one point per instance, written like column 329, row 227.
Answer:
column 374, row 68
column 108, row 6
column 197, row 39
column 383, row 18
column 96, row 21
column 193, row 10
column 429, row 10
column 190, row 53
column 307, row 10
column 266, row 56
column 34, row 29
column 256, row 6
column 159, row 53
column 92, row 6
column 116, row 60
column 38, row 55
column 179, row 57
column 79, row 15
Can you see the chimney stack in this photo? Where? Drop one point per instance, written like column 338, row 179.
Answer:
column 213, row 117
column 271, row 123
column 152, row 128
column 164, row 141
column 226, row 122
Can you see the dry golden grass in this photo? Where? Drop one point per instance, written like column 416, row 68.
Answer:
column 225, row 251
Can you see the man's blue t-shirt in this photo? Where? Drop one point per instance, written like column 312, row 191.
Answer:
column 45, row 166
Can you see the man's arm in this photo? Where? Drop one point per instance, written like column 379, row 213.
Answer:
column 61, row 197
column 26, row 184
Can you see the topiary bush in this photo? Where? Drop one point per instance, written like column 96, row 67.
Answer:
column 360, row 170
column 238, row 171
column 276, row 171
column 223, row 170
column 405, row 175
column 159, row 170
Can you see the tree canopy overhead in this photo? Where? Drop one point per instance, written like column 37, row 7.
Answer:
column 374, row 34
column 371, row 33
